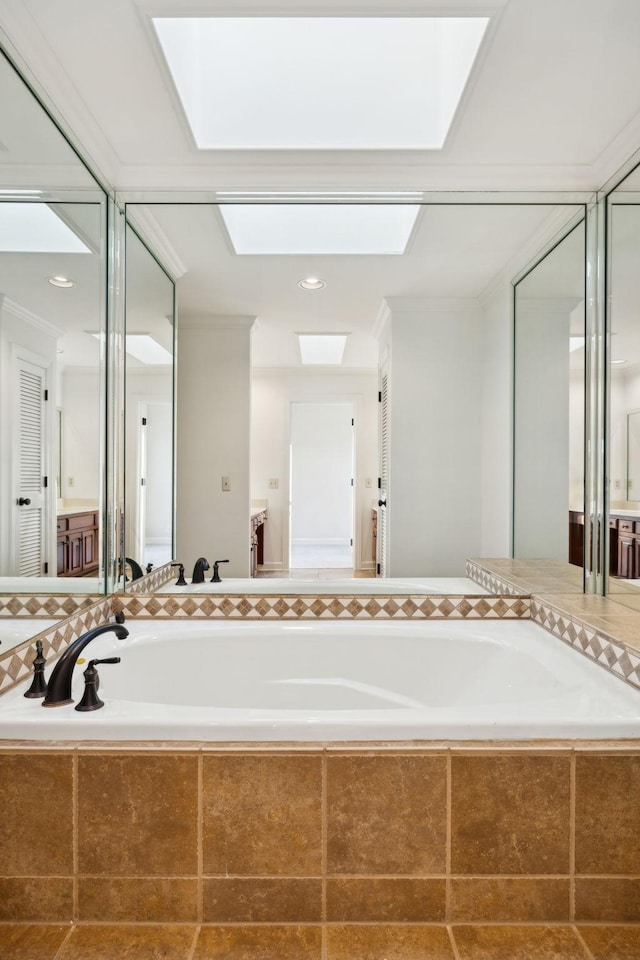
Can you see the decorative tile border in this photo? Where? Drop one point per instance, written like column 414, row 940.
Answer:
column 278, row 607
column 491, row 581
column 604, row 650
column 16, row 664
column 45, row 604
column 151, row 581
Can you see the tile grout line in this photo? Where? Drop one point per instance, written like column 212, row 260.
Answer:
column 584, row 946
column 199, row 841
column 65, row 940
column 448, row 831
column 454, row 945
column 323, row 854
column 74, row 834
column 196, row 936
column 572, row 838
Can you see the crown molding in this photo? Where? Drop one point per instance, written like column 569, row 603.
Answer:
column 27, row 316
column 25, row 44
column 216, row 322
column 144, row 222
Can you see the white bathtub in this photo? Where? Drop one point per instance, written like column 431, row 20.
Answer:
column 62, row 585
column 14, row 630
column 339, row 585
column 221, row 681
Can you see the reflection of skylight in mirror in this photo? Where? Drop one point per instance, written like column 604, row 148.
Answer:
column 319, row 228
column 320, row 83
column 35, row 228
column 322, row 348
column 144, row 348
column 575, row 343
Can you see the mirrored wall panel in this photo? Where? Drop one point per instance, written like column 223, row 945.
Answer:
column 417, row 305
column 549, row 400
column 149, row 410
column 53, row 229
column 623, row 303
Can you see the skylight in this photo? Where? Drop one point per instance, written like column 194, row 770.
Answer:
column 305, row 83
column 322, row 348
column 319, row 228
column 36, row 228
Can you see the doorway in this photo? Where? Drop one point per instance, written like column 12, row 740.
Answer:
column 154, row 506
column 321, row 485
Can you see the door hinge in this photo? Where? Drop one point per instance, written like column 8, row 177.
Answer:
column 352, row 422
column 379, row 483
column 351, row 481
column 45, row 481
column 377, row 568
column 379, row 396
column 351, row 542
column 46, row 394
column 143, row 482
column 144, row 421
column 46, row 568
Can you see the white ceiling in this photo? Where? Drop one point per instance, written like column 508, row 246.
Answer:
column 553, row 104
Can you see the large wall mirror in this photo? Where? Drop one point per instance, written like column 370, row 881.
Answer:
column 421, row 295
column 53, row 230
column 549, row 403
column 623, row 305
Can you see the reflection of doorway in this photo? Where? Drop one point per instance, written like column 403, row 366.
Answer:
column 155, row 479
column 321, row 485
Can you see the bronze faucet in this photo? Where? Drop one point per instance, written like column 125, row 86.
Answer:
column 59, row 686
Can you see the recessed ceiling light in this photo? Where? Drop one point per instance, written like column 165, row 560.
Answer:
column 322, row 348
column 61, row 282
column 312, row 283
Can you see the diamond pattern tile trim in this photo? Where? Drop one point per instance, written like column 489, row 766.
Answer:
column 490, row 581
column 44, row 605
column 276, row 607
column 604, row 650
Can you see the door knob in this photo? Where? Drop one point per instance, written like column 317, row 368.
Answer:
column 24, row 502
column 382, row 503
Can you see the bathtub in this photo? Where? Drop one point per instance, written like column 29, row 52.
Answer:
column 15, row 630
column 39, row 585
column 340, row 586
column 381, row 680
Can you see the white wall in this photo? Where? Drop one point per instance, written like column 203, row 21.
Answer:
column 273, row 391
column 81, row 454
column 321, row 471
column 213, row 427
column 496, row 469
column 434, row 497
column 541, row 455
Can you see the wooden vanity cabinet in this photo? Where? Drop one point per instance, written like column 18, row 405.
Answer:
column 624, row 544
column 78, row 543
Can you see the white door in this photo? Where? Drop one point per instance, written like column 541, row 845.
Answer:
column 155, row 491
column 29, row 533
column 322, row 485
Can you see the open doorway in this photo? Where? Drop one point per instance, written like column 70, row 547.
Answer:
column 322, row 485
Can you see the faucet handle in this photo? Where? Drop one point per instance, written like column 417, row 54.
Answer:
column 216, row 576
column 180, row 582
column 90, row 699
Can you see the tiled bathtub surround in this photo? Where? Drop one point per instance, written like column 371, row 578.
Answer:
column 152, row 581
column 43, row 605
column 615, row 656
column 345, row 844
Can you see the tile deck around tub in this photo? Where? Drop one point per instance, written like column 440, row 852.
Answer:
column 314, row 941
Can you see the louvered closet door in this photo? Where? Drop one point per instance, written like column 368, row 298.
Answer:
column 384, row 473
column 30, row 428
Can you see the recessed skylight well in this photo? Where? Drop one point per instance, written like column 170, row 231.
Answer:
column 36, row 228
column 341, row 83
column 322, row 348
column 145, row 348
column 307, row 228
